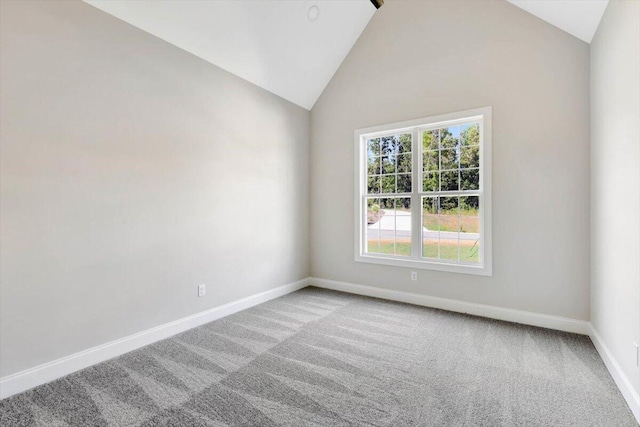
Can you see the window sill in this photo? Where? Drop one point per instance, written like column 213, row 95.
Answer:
column 477, row 270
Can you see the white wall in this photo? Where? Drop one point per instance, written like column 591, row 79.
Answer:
column 615, row 183
column 423, row 58
column 132, row 171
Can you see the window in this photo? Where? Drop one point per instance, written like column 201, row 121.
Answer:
column 423, row 193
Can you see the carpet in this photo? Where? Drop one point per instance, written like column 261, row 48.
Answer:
column 325, row 358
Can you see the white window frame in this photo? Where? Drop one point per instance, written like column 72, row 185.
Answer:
column 416, row 261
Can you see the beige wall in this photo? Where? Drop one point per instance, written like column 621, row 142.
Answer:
column 422, row 58
column 615, row 183
column 132, row 171
column 119, row 195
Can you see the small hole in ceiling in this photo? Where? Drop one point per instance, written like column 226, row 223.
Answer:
column 313, row 13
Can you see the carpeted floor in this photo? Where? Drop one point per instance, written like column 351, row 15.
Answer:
column 318, row 357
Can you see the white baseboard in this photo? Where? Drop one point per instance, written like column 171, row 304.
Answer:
column 621, row 380
column 27, row 379
column 493, row 312
column 507, row 314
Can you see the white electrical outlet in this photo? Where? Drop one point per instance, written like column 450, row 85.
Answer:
column 202, row 289
column 414, row 275
column 637, row 353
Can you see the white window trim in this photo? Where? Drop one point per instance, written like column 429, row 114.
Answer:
column 416, row 126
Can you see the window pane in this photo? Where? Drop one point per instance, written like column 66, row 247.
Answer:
column 430, row 213
column 449, row 137
column 394, row 226
column 430, row 182
column 389, row 163
column 405, row 143
column 404, row 163
column 387, row 225
column 380, row 225
column 388, row 183
column 469, row 229
column 430, row 227
column 451, row 228
column 449, row 181
column 430, row 140
column 373, row 216
column 448, row 213
column 403, row 226
column 386, row 204
column 469, row 157
column 404, row 183
column 469, row 224
column 470, row 205
column 448, row 220
column 470, row 134
column 373, row 165
column 389, row 145
column 469, row 179
column 448, row 159
column 373, row 184
column 470, row 251
column 404, row 204
column 430, row 161
column 469, row 240
column 373, row 211
column 373, row 147
column 430, row 245
column 448, row 247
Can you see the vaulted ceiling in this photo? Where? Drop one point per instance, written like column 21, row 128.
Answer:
column 579, row 18
column 275, row 44
column 293, row 48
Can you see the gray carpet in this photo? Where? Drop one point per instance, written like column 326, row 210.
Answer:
column 323, row 358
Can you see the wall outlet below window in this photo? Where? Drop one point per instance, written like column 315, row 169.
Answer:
column 202, row 289
column 414, row 275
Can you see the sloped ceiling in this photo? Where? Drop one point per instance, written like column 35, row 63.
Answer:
column 579, row 18
column 275, row 45
column 272, row 44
